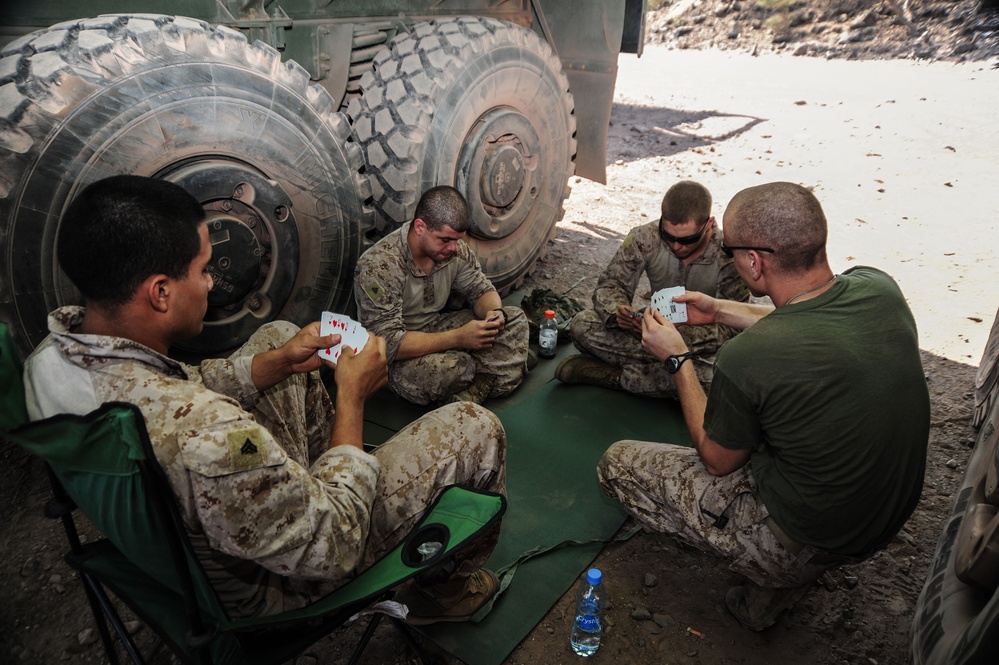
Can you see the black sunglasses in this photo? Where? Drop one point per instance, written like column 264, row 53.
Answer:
column 730, row 249
column 683, row 240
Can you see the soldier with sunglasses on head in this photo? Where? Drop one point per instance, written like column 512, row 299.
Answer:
column 681, row 248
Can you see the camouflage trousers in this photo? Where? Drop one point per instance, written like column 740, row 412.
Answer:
column 435, row 376
column 667, row 489
column 641, row 372
column 457, row 444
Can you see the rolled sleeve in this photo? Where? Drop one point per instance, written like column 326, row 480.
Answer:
column 470, row 281
column 379, row 284
column 232, row 377
column 616, row 285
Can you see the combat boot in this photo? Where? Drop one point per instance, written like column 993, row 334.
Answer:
column 476, row 392
column 583, row 368
column 455, row 600
column 532, row 359
column 759, row 608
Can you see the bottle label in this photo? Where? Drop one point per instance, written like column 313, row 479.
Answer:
column 548, row 339
column 588, row 622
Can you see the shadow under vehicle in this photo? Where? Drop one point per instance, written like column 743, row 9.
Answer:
column 307, row 129
column 956, row 621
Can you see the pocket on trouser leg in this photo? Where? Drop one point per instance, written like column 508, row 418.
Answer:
column 718, row 502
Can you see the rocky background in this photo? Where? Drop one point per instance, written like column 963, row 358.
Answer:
column 954, row 30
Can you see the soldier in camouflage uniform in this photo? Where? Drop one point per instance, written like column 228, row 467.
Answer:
column 809, row 450
column 413, row 288
column 281, row 502
column 680, row 249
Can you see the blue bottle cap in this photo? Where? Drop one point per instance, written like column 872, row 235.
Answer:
column 594, row 576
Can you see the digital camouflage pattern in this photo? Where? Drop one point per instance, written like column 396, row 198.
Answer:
column 395, row 296
column 595, row 331
column 540, row 300
column 434, row 377
column 668, row 490
column 275, row 516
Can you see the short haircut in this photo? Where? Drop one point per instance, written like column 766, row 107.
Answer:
column 687, row 201
column 120, row 230
column 785, row 217
column 444, row 206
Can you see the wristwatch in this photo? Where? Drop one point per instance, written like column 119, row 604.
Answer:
column 673, row 362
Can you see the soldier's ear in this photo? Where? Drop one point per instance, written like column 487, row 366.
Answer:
column 156, row 290
column 419, row 226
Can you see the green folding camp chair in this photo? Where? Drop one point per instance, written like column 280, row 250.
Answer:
column 103, row 464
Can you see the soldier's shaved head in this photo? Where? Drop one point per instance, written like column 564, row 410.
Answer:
column 783, row 216
column 444, row 206
column 686, row 201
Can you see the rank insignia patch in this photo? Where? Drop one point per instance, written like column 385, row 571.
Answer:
column 374, row 290
column 246, row 449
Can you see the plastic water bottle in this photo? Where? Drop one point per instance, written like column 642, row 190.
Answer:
column 548, row 335
column 590, row 599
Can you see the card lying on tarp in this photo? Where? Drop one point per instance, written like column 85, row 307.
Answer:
column 352, row 334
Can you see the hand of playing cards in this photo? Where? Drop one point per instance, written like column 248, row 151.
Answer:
column 662, row 302
column 351, row 333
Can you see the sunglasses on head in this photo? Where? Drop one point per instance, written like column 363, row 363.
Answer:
column 682, row 240
column 729, row 250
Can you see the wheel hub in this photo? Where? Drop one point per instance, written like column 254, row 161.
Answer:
column 497, row 167
column 255, row 244
column 502, row 175
column 235, row 265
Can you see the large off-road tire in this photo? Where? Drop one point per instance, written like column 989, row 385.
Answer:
column 481, row 105
column 265, row 152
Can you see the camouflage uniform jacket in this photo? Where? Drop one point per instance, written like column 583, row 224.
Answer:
column 394, row 295
column 643, row 250
column 310, row 521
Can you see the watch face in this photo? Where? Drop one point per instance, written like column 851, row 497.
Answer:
column 672, row 364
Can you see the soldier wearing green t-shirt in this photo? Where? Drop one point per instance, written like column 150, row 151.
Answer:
column 810, row 447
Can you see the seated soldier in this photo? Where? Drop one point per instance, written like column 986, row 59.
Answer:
column 680, row 249
column 406, row 288
column 304, row 508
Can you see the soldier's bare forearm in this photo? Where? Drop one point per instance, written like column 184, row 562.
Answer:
column 348, row 425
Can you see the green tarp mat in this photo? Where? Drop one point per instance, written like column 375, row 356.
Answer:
column 556, row 433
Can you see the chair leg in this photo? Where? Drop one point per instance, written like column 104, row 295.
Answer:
column 403, row 630
column 376, row 619
column 102, row 627
column 407, row 636
column 96, row 593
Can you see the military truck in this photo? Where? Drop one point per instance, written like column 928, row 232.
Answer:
column 956, row 619
column 307, row 129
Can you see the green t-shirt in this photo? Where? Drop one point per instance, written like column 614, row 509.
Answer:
column 830, row 396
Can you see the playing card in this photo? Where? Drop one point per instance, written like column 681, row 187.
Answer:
column 662, row 302
column 352, row 334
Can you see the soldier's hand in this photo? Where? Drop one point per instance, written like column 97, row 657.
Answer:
column 497, row 316
column 477, row 334
column 365, row 372
column 297, row 355
column 702, row 309
column 628, row 319
column 660, row 337
column 301, row 351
